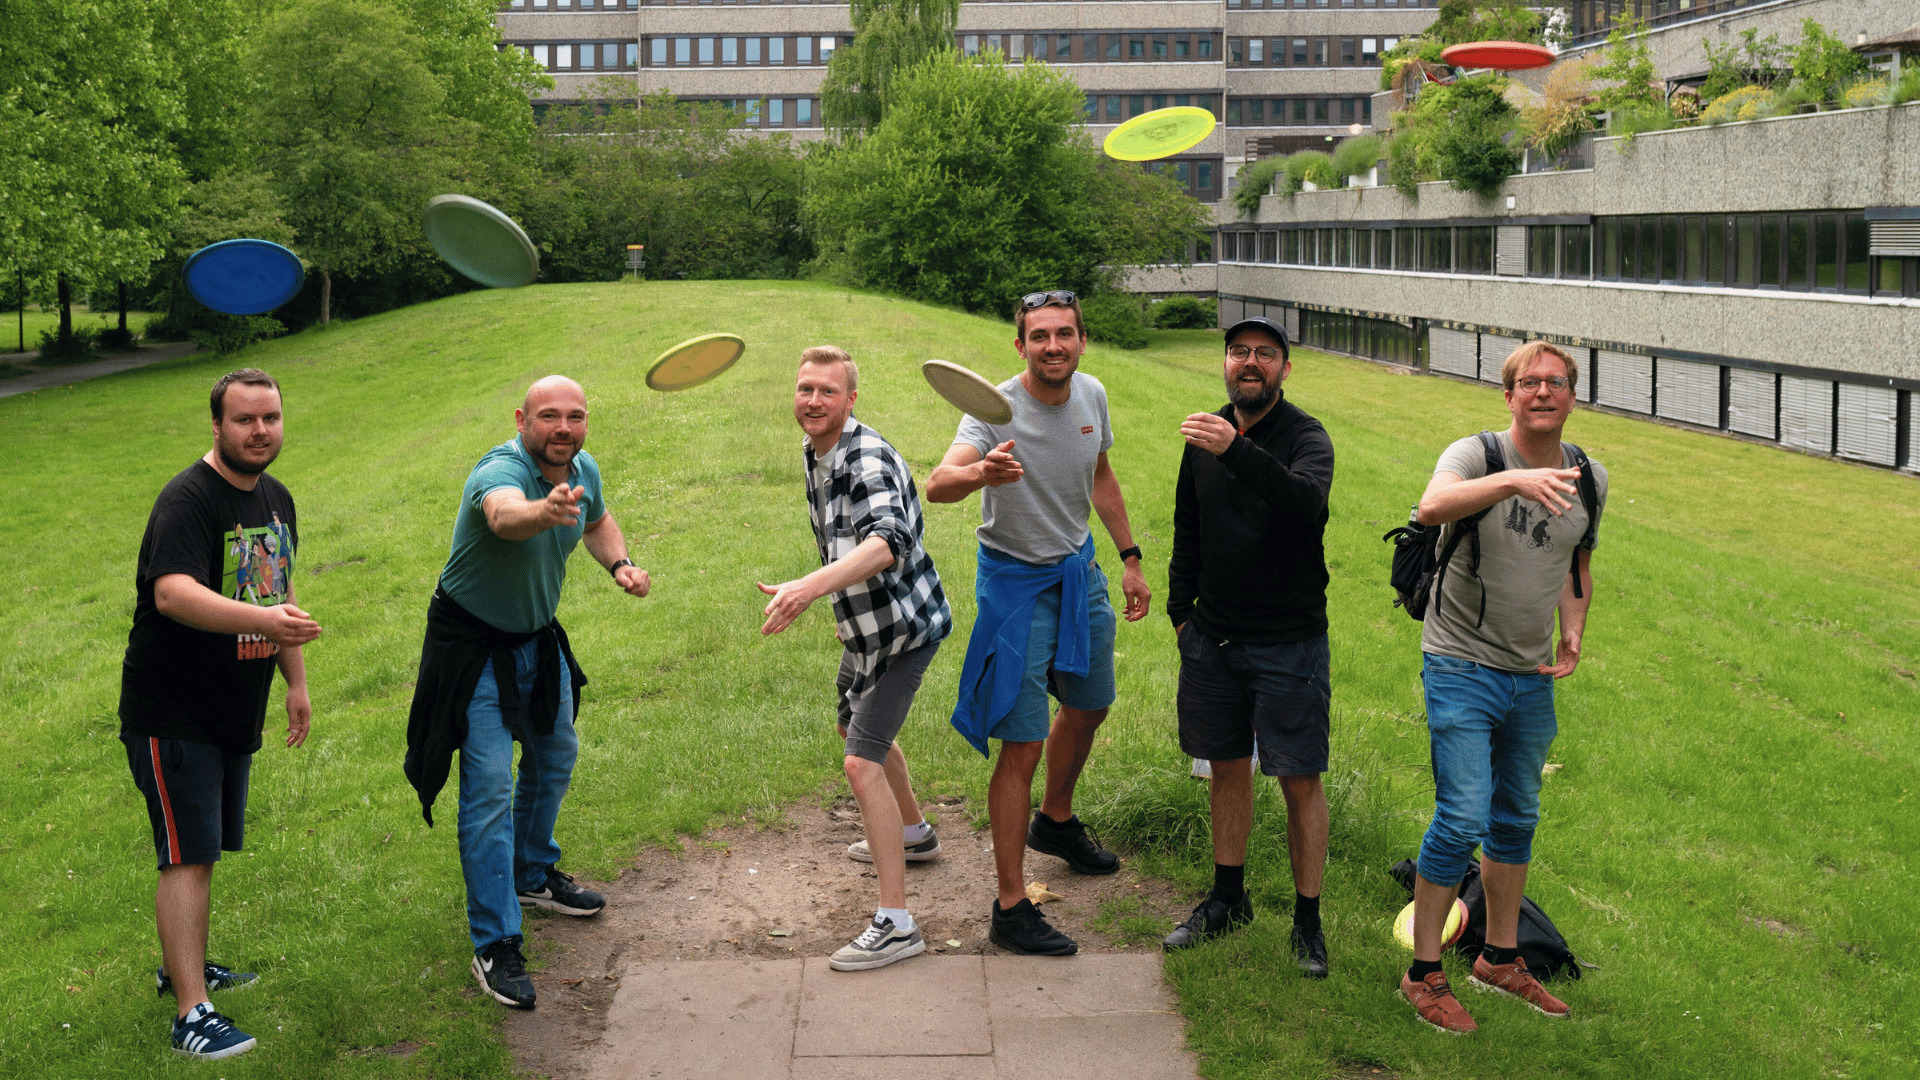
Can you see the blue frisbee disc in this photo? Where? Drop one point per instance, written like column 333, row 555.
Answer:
column 243, row 277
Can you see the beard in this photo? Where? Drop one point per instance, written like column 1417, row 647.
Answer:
column 1252, row 399
column 243, row 467
column 558, row 457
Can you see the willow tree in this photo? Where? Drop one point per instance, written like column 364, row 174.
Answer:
column 889, row 36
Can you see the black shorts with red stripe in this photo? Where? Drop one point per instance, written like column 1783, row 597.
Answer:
column 196, row 797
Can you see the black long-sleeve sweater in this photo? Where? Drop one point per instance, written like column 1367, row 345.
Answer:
column 1248, row 559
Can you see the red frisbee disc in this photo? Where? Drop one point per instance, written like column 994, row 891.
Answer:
column 1498, row 55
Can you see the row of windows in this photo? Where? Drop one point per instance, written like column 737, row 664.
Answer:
column 584, row 55
column 1148, row 46
column 1298, row 111
column 1307, row 52
column 1590, row 20
column 769, row 112
column 806, row 51
column 1200, row 178
column 1113, row 108
column 1811, row 252
column 1825, row 251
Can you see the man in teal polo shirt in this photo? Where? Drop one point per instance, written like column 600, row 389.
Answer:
column 525, row 506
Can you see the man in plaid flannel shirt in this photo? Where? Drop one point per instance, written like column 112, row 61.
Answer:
column 890, row 615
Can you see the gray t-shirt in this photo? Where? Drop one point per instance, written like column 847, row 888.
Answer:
column 1042, row 517
column 1525, row 553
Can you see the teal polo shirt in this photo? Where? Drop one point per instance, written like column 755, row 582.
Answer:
column 514, row 585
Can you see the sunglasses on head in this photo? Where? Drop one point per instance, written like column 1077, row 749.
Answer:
column 1042, row 299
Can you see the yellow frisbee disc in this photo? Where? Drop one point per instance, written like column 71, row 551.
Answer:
column 1456, row 922
column 1160, row 133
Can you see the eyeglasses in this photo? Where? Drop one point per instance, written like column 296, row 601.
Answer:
column 1531, row 384
column 1241, row 353
column 1042, row 299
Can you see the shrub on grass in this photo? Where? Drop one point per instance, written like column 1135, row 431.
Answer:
column 78, row 347
column 1184, row 313
column 1113, row 318
column 235, row 332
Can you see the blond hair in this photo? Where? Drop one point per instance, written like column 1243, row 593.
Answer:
column 828, row 354
column 1527, row 355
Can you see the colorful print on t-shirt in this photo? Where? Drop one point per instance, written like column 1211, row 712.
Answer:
column 258, row 565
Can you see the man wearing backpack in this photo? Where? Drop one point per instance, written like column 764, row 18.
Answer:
column 1247, row 591
column 1491, row 656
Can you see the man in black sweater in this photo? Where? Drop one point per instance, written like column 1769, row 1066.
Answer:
column 1247, row 591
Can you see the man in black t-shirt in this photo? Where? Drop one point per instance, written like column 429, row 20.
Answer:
column 214, row 617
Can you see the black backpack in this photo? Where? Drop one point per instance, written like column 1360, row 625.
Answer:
column 1420, row 563
column 1546, row 951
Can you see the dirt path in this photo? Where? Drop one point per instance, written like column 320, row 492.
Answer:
column 40, row 378
column 781, row 893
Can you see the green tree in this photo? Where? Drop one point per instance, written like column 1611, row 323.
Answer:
column 978, row 186
column 889, row 36
column 671, row 175
column 88, row 104
column 348, row 127
column 1627, row 63
column 1462, row 21
column 1751, row 61
column 1823, row 65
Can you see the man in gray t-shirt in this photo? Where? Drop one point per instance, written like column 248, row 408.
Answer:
column 1489, row 678
column 1044, row 623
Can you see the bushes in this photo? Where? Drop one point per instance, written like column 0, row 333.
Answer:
column 78, row 347
column 1113, row 318
column 1354, row 156
column 1255, row 179
column 1746, row 103
column 1311, row 167
column 1183, row 313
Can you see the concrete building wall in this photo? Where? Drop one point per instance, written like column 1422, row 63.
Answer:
column 1677, row 49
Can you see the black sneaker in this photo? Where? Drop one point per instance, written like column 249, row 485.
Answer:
column 1022, row 929
column 218, row 979
column 207, row 1035
column 559, row 893
column 1209, row 920
column 1310, row 952
column 1070, row 840
column 502, row 972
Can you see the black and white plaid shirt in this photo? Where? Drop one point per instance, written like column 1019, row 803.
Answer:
column 863, row 488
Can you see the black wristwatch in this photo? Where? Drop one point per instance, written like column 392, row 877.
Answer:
column 614, row 570
column 1131, row 553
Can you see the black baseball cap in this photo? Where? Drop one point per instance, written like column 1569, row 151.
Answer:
column 1258, row 323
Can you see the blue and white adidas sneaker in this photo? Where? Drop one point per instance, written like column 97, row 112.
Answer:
column 207, row 1035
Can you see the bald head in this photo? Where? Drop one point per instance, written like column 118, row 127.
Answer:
column 553, row 384
column 553, row 423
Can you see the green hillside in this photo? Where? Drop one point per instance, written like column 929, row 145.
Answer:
column 1728, row 840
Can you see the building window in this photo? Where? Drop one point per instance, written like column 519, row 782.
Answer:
column 1369, row 52
column 1320, row 52
column 1576, row 251
column 706, row 50
column 776, row 112
column 1541, row 249
column 803, row 111
column 1349, row 51
column 1299, row 52
column 1858, row 266
column 753, row 50
column 803, row 50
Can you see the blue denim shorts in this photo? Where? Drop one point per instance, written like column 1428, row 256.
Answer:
column 1032, row 718
column 1490, row 733
column 1233, row 691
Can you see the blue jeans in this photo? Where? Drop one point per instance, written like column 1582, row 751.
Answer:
column 506, row 828
column 1490, row 733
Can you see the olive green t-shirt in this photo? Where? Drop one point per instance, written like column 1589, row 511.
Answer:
column 1526, row 551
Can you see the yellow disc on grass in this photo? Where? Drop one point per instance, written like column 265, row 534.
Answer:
column 1160, row 133
column 1456, row 922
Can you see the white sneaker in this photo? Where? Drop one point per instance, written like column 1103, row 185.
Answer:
column 878, row 945
column 920, row 852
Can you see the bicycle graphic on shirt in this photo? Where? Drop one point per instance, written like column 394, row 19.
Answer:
column 1519, row 517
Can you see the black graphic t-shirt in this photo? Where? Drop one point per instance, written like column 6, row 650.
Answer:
column 181, row 683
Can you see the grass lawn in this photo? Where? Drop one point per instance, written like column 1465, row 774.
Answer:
column 1726, row 839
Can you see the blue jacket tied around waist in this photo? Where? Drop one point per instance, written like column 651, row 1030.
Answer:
column 1006, row 589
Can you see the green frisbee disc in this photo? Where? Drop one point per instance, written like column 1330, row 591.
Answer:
column 1160, row 133
column 480, row 242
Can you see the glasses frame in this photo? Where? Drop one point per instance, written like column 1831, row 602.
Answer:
column 1034, row 300
column 1556, row 383
column 1256, row 354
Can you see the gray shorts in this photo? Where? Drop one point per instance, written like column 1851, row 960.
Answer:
column 872, row 721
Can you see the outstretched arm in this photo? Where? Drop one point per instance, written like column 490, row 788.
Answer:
column 792, row 598
column 608, row 546
column 964, row 471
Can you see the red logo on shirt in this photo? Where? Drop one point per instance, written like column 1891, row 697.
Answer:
column 1088, row 430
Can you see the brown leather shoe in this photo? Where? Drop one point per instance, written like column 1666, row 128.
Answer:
column 1514, row 980
column 1433, row 999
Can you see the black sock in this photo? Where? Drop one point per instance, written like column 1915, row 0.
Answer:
column 1496, row 955
column 1229, row 883
column 1420, row 969
column 1306, row 912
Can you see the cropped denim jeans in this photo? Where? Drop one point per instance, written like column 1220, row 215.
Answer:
column 1490, row 732
column 506, row 826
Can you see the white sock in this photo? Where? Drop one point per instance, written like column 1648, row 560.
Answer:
column 902, row 921
column 913, row 834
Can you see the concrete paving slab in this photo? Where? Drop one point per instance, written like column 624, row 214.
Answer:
column 714, row 1018
column 935, row 1005
column 893, row 1068
column 1108, row 1046
column 1091, row 984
